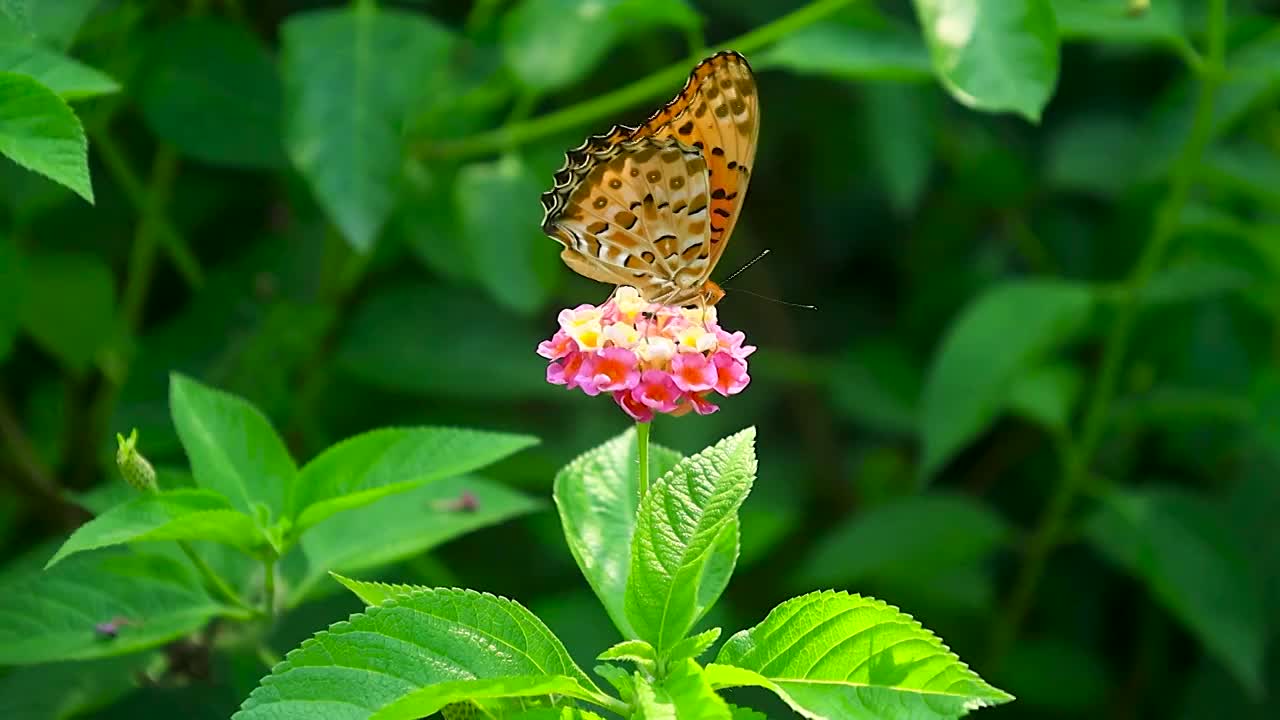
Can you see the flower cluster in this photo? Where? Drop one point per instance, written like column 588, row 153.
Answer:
column 651, row 358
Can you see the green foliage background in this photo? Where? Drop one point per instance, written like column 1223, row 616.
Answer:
column 1038, row 407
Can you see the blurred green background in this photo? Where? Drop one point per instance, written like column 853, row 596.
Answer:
column 1038, row 406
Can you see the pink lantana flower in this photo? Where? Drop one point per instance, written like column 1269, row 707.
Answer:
column 653, row 359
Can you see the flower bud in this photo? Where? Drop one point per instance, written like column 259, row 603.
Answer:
column 135, row 468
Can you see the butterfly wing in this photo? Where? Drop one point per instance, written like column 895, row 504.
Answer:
column 718, row 113
column 635, row 212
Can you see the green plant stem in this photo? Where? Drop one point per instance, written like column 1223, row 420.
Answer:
column 142, row 254
column 269, row 657
column 642, row 457
column 613, row 704
column 1080, row 455
column 175, row 245
column 269, row 585
column 656, row 84
column 213, row 579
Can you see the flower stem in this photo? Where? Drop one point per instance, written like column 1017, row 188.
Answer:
column 642, row 455
column 1080, row 455
column 212, row 578
column 655, row 84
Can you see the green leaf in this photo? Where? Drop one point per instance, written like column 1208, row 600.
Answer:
column 62, row 691
column 901, row 142
column 597, row 496
column 398, row 527
column 684, row 693
column 12, row 291
column 1160, row 23
column 511, row 369
column 836, row 655
column 693, row 646
column 69, row 78
column 746, row 713
column 58, row 22
column 232, row 447
column 375, row 593
column 40, row 132
column 406, row 644
column 432, row 698
column 995, row 57
column 636, row 651
column 168, row 515
column 853, row 53
column 993, row 340
column 211, row 90
column 1046, row 395
column 917, row 536
column 499, row 223
column 551, row 44
column 68, row 306
column 351, row 78
column 678, row 528
column 1247, row 167
column 1180, row 546
column 1100, row 154
column 364, row 468
column 52, row 615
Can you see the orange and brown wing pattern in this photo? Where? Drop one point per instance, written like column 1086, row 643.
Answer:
column 718, row 113
column 639, row 216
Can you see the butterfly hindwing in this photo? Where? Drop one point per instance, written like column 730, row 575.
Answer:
column 638, row 216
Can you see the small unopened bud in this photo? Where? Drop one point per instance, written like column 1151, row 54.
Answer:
column 135, row 468
column 1138, row 8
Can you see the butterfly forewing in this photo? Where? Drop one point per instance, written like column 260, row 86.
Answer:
column 701, row 146
column 639, row 217
column 718, row 112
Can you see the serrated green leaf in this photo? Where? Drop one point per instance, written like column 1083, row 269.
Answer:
column 597, row 495
column 362, row 469
column 995, row 57
column 408, row 643
column 40, row 132
column 232, row 447
column 350, row 78
column 68, row 306
column 168, row 515
column 855, row 53
column 746, row 713
column 375, row 593
column 432, row 698
column 69, row 78
column 921, row 535
column 52, row 615
column 210, row 89
column 836, row 655
column 1180, row 546
column 510, row 238
column 693, row 646
column 994, row 339
column 678, row 527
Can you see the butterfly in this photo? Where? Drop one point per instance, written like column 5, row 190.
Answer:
column 653, row 206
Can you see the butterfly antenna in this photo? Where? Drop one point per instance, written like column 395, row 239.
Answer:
column 776, row 300
column 743, row 269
